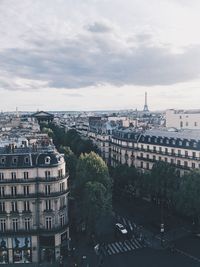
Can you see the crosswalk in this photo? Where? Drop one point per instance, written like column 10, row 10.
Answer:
column 121, row 247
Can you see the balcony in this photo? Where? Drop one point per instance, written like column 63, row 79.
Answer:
column 33, row 180
column 35, row 195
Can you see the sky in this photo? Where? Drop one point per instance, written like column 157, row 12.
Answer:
column 99, row 54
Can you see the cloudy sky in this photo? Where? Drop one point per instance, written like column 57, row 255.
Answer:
column 99, row 54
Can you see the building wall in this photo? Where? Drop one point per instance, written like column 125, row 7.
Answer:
column 181, row 120
column 47, row 198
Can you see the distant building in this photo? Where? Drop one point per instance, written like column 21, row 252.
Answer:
column 183, row 119
column 43, row 116
column 143, row 148
column 33, row 204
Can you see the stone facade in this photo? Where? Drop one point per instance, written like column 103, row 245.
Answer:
column 33, row 204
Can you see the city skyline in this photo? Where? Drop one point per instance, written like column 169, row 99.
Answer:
column 99, row 55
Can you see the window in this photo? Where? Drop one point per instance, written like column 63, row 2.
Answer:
column 26, row 206
column 147, row 165
column 47, row 189
column 172, row 161
column 2, row 191
column 186, row 124
column 159, row 158
column 48, row 204
column 141, row 164
column 60, row 173
column 48, row 222
column 15, row 224
column 186, row 153
column 26, row 175
column 62, row 187
column 194, row 154
column 181, row 124
column 27, row 223
column 2, row 206
column 195, row 124
column 62, row 220
column 172, row 151
column 185, row 164
column 147, row 156
column 141, row 155
column 179, row 152
column 178, row 162
column 166, row 160
column 47, row 160
column 2, row 225
column 166, row 150
column 14, row 161
column 3, row 160
column 148, row 148
column 13, row 190
column 26, row 190
column 160, row 149
column 62, row 202
column 13, row 175
column 47, row 174
column 154, row 149
column 26, row 160
column 193, row 165
column 1, row 176
column 154, row 157
column 14, row 206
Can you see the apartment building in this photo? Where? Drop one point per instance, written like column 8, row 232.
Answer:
column 143, row 148
column 33, row 204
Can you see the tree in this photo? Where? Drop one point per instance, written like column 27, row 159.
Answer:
column 188, row 195
column 96, row 205
column 163, row 181
column 91, row 167
column 125, row 181
column 92, row 190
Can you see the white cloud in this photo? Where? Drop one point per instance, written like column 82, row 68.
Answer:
column 106, row 44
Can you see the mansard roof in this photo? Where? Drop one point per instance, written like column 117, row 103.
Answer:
column 29, row 158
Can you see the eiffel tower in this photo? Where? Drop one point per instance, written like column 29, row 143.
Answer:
column 146, row 109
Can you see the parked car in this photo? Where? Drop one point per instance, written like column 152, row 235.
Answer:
column 121, row 229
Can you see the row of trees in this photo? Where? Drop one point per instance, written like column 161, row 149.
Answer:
column 179, row 194
column 90, row 182
column 71, row 139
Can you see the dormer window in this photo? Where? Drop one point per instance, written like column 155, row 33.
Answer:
column 180, row 143
column 14, row 160
column 194, row 144
column 3, row 160
column 26, row 160
column 187, row 143
column 47, row 160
